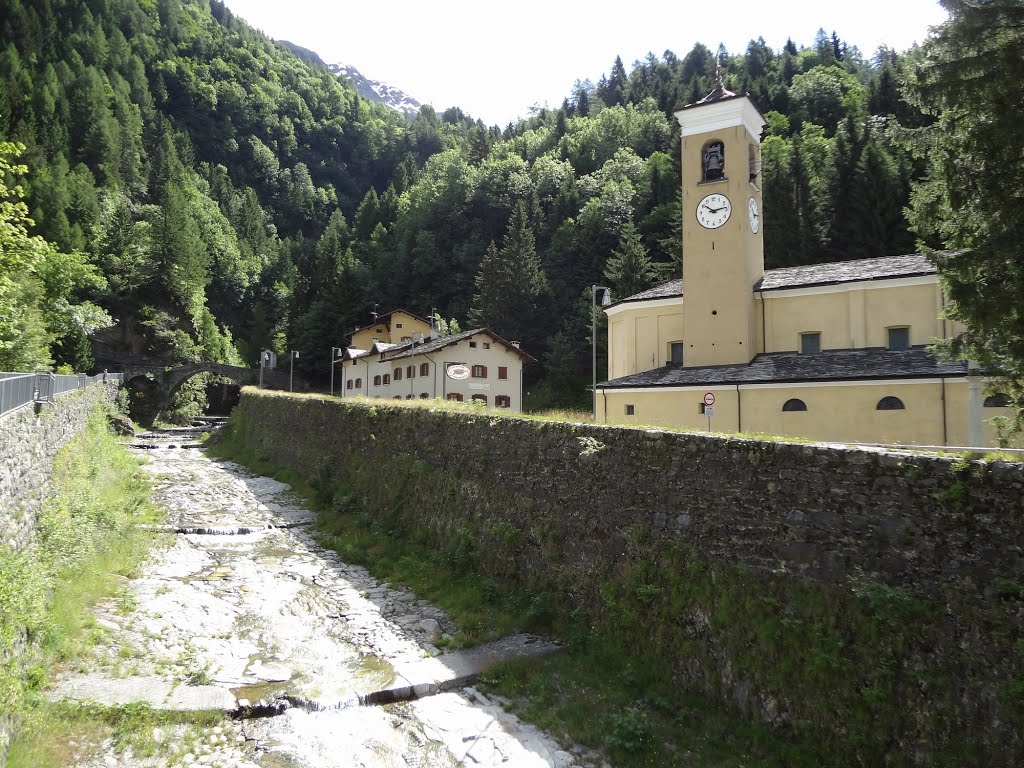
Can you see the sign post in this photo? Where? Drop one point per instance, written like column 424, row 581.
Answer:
column 709, row 407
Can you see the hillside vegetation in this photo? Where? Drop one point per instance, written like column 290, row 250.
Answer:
column 205, row 193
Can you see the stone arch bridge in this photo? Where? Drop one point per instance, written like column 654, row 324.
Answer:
column 153, row 387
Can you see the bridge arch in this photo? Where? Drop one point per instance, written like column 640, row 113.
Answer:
column 152, row 388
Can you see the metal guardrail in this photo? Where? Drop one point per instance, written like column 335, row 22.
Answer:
column 18, row 389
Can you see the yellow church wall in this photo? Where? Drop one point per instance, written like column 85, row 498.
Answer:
column 853, row 316
column 912, row 305
column 841, row 412
column 639, row 336
column 849, row 412
column 669, row 408
column 957, row 398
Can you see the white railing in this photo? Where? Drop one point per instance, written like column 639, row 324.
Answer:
column 20, row 389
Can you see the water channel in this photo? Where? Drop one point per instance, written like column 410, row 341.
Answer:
column 238, row 609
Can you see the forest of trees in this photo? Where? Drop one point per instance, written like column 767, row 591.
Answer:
column 191, row 190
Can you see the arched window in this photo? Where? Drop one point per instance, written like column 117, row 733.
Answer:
column 424, row 369
column 752, row 161
column 348, row 384
column 794, row 404
column 998, row 400
column 359, row 383
column 713, row 161
column 889, row 403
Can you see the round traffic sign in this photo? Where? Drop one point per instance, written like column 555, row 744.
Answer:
column 709, row 398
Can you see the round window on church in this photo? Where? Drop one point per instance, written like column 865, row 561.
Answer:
column 794, row 404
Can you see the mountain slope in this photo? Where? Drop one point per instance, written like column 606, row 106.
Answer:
column 375, row 90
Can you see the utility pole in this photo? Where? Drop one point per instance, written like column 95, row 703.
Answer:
column 335, row 354
column 606, row 300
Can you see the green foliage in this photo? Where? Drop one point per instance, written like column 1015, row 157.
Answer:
column 630, row 268
column 968, row 80
column 55, row 734
column 510, row 283
column 248, row 198
column 38, row 285
column 87, row 537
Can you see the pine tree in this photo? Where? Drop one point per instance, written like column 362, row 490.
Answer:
column 510, row 283
column 630, row 268
column 970, row 79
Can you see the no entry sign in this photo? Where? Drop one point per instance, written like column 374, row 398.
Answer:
column 709, row 399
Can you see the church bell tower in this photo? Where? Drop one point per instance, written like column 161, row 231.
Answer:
column 723, row 241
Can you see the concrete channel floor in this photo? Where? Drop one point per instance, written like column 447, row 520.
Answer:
column 317, row 663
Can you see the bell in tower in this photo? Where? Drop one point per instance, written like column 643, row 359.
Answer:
column 714, row 161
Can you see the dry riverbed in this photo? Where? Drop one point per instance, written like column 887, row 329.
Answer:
column 239, row 611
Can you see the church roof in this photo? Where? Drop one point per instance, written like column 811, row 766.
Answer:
column 810, row 275
column 792, row 367
column 884, row 268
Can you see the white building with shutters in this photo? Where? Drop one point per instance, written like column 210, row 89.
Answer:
column 475, row 365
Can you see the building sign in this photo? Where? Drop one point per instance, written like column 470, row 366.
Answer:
column 458, row 371
column 479, row 386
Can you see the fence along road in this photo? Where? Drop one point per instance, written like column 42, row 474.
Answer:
column 18, row 389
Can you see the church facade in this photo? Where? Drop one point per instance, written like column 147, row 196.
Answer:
column 831, row 352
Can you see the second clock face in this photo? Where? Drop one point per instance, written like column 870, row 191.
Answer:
column 754, row 215
column 713, row 211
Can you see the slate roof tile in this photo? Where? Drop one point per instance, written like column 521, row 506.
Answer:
column 883, row 268
column 409, row 349
column 784, row 367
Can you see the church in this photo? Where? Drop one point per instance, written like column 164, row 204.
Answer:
column 829, row 352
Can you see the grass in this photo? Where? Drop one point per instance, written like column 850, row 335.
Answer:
column 576, row 416
column 600, row 694
column 66, row 734
column 559, row 415
column 88, row 541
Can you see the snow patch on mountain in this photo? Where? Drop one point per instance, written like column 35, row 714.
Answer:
column 375, row 90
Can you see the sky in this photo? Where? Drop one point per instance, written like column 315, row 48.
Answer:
column 496, row 61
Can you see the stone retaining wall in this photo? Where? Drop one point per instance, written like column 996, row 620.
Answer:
column 872, row 601
column 29, row 442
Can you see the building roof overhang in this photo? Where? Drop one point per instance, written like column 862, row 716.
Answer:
column 837, row 365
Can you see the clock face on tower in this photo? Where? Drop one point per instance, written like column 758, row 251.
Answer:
column 755, row 216
column 713, row 211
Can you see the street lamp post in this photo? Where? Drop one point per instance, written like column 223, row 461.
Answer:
column 264, row 363
column 291, row 368
column 606, row 300
column 335, row 354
